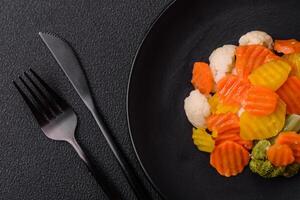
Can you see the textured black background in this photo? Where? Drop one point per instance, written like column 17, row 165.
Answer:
column 106, row 35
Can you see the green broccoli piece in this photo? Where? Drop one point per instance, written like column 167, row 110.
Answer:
column 259, row 163
column 291, row 170
column 278, row 171
column 265, row 169
column 259, row 150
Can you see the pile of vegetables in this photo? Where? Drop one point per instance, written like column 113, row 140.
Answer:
column 245, row 106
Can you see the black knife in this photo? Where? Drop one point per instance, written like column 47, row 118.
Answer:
column 65, row 57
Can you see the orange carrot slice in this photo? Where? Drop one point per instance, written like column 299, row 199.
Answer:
column 250, row 57
column 287, row 46
column 232, row 90
column 202, row 77
column 292, row 139
column 221, row 123
column 294, row 61
column 260, row 101
column 235, row 137
column 229, row 158
column 280, row 155
column 289, row 92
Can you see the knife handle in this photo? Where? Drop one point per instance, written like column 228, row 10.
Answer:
column 110, row 192
column 135, row 183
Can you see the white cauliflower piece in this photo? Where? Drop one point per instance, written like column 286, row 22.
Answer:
column 196, row 108
column 257, row 37
column 221, row 61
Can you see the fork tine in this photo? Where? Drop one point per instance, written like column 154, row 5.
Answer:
column 56, row 98
column 38, row 115
column 37, row 99
column 48, row 101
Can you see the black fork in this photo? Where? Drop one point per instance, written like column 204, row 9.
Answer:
column 57, row 120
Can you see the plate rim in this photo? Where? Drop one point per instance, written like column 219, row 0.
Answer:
column 141, row 44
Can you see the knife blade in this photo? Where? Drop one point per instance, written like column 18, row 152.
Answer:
column 67, row 60
column 65, row 57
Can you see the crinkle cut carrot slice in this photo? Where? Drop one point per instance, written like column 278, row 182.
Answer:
column 235, row 137
column 294, row 61
column 232, row 90
column 289, row 92
column 250, row 57
column 229, row 158
column 260, row 101
column 280, row 155
column 292, row 139
column 223, row 122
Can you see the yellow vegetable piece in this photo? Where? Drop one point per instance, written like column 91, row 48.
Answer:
column 203, row 140
column 294, row 60
column 214, row 134
column 271, row 75
column 217, row 107
column 262, row 127
column 213, row 102
column 221, row 108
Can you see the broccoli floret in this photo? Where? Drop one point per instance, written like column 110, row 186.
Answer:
column 278, row 171
column 291, row 170
column 259, row 150
column 259, row 167
column 259, row 163
column 265, row 168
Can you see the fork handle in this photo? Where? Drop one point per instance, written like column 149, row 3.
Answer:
column 101, row 180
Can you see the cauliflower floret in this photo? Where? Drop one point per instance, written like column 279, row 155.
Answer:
column 196, row 108
column 257, row 37
column 221, row 61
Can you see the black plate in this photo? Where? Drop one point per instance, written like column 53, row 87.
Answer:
column 160, row 80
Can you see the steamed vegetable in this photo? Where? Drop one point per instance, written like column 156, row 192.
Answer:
column 260, row 101
column 291, row 170
column 235, row 137
column 203, row 140
column 289, row 93
column 292, row 139
column 222, row 61
column 223, row 123
column 292, row 123
column 231, row 90
column 262, row 127
column 280, row 155
column 256, row 37
column 243, row 99
column 259, row 150
column 229, row 158
column 271, row 75
column 287, row 46
column 294, row 61
column 219, row 108
column 196, row 108
column 250, row 57
column 265, row 169
column 213, row 101
column 202, row 77
column 259, row 163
